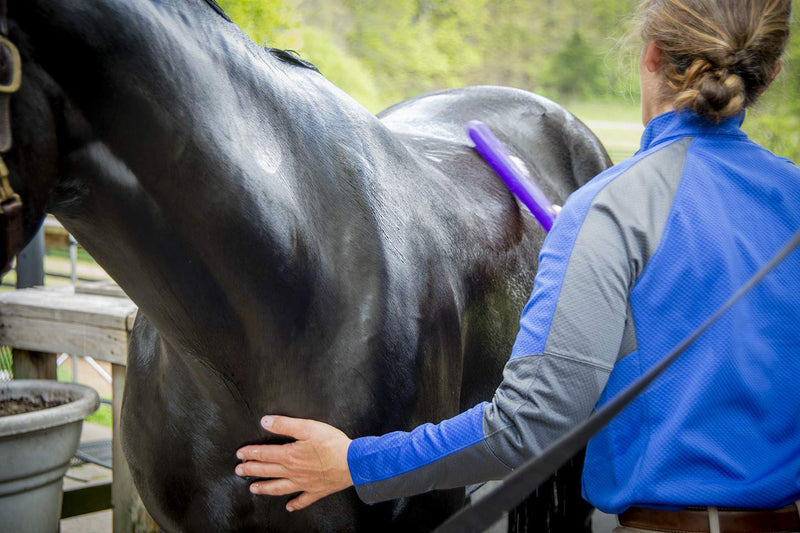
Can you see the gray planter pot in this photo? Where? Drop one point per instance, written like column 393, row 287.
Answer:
column 35, row 449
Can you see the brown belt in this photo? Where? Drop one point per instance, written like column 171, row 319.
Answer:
column 695, row 520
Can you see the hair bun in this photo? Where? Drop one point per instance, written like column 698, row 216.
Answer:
column 739, row 58
column 708, row 90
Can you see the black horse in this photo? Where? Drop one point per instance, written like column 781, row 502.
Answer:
column 290, row 253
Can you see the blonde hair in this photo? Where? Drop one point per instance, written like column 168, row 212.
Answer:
column 719, row 55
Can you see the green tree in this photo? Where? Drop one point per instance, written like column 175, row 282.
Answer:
column 341, row 67
column 775, row 121
column 265, row 21
column 382, row 51
column 280, row 24
column 576, row 70
column 413, row 46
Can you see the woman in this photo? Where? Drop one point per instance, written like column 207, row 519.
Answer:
column 638, row 258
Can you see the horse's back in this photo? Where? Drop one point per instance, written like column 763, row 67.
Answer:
column 560, row 152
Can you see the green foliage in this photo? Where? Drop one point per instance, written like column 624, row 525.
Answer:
column 6, row 363
column 576, row 69
column 343, row 69
column 382, row 51
column 775, row 121
column 414, row 46
column 102, row 417
column 265, row 21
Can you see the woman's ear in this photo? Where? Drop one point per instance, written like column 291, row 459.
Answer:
column 775, row 72
column 653, row 56
column 774, row 75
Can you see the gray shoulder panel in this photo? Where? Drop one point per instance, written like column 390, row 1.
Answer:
column 621, row 231
column 628, row 343
column 541, row 397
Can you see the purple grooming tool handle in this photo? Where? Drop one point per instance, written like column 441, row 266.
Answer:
column 514, row 177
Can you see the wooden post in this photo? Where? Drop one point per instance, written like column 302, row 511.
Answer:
column 29, row 364
column 129, row 512
column 121, row 497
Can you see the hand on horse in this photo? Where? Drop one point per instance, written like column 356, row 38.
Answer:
column 315, row 465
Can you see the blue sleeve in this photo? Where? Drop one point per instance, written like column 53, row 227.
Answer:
column 416, row 461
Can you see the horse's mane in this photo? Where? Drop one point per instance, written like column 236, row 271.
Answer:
column 215, row 6
column 290, row 56
column 287, row 56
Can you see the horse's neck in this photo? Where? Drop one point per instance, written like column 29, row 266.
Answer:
column 239, row 230
column 223, row 189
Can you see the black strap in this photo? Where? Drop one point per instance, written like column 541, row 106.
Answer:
column 525, row 479
column 3, row 17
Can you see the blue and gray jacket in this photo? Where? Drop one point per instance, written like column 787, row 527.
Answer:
column 638, row 258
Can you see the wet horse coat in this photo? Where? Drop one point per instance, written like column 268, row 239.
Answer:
column 290, row 253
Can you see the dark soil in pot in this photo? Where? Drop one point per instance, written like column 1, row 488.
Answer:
column 18, row 406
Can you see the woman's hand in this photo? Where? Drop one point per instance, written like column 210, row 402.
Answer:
column 315, row 465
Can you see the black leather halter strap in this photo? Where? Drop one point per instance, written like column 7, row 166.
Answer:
column 11, row 223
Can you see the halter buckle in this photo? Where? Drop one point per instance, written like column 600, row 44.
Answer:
column 16, row 67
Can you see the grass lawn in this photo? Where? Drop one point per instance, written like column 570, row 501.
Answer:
column 618, row 124
column 612, row 110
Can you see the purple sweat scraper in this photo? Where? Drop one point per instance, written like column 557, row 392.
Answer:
column 511, row 173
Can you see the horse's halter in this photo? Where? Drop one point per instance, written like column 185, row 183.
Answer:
column 12, row 233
